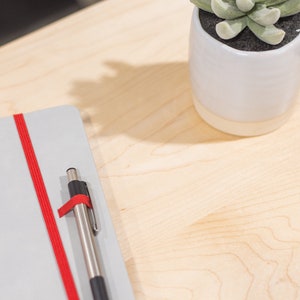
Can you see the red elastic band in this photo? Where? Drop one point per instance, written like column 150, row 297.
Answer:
column 77, row 199
column 46, row 209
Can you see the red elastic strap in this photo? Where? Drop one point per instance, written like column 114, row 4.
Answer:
column 46, row 209
column 77, row 199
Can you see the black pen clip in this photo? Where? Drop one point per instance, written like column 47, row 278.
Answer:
column 91, row 212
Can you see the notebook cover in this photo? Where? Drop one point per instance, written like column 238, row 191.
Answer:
column 28, row 268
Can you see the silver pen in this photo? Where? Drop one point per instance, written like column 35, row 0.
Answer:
column 87, row 229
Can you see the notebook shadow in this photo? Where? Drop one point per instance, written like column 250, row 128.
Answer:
column 148, row 102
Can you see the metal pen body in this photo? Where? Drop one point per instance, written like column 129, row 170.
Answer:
column 87, row 240
column 86, row 229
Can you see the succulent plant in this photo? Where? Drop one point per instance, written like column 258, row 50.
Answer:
column 258, row 15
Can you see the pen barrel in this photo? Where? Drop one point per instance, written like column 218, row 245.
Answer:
column 87, row 241
column 86, row 235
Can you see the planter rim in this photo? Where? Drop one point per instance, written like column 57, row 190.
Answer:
column 278, row 51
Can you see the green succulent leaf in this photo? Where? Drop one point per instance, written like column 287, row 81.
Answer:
column 265, row 16
column 226, row 10
column 203, row 4
column 245, row 5
column 259, row 15
column 268, row 34
column 289, row 8
column 231, row 28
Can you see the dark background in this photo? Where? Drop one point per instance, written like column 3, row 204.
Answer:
column 19, row 17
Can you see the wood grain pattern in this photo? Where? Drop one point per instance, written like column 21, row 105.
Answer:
column 199, row 214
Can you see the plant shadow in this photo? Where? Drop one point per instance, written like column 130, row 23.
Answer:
column 151, row 103
column 148, row 102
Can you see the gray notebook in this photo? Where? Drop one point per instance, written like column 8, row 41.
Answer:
column 28, row 268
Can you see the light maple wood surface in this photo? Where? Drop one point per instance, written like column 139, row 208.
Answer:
column 199, row 214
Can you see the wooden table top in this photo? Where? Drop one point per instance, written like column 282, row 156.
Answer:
column 199, row 214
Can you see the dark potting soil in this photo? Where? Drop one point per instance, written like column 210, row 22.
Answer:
column 246, row 40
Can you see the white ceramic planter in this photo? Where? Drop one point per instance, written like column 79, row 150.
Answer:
column 242, row 92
